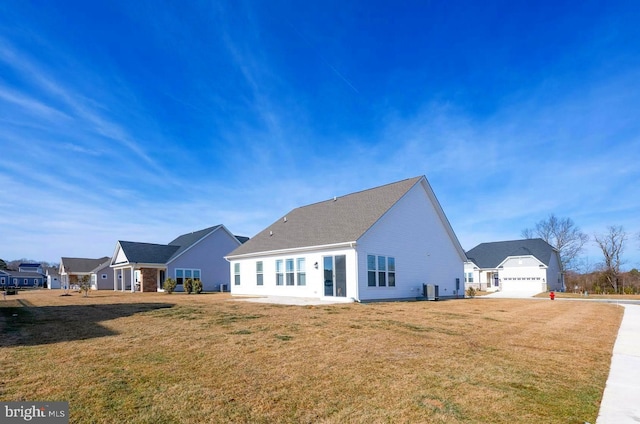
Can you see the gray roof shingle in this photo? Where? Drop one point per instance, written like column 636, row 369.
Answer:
column 490, row 255
column 186, row 240
column 338, row 220
column 75, row 265
column 148, row 253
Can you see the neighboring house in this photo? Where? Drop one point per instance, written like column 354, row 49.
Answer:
column 21, row 279
column 53, row 278
column 72, row 270
column 198, row 255
column 377, row 244
column 530, row 265
column 30, row 267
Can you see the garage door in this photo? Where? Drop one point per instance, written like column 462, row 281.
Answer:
column 535, row 286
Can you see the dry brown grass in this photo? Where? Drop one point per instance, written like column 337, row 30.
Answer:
column 592, row 296
column 142, row 358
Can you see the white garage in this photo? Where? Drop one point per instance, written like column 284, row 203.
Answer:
column 518, row 266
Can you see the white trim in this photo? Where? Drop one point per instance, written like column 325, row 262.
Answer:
column 521, row 256
column 138, row 265
column 173, row 258
column 351, row 244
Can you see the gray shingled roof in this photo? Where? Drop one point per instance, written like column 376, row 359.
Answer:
column 242, row 239
column 338, row 220
column 150, row 253
column 490, row 255
column 147, row 253
column 186, row 240
column 74, row 265
column 24, row 274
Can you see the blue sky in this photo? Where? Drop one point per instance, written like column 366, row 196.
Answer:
column 144, row 120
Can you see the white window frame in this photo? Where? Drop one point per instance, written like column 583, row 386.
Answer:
column 259, row 273
column 279, row 272
column 187, row 273
column 383, row 266
column 289, row 269
column 236, row 273
column 301, row 271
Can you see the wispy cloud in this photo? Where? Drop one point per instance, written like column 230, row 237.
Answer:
column 82, row 111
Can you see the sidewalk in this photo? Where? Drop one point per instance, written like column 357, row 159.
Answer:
column 621, row 398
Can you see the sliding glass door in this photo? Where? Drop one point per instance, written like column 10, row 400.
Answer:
column 335, row 275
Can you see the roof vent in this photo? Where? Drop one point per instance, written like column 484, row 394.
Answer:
column 285, row 219
column 335, row 198
column 270, row 233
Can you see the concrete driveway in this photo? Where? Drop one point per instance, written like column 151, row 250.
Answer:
column 511, row 294
column 299, row 301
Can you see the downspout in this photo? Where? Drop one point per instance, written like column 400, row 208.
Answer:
column 353, row 245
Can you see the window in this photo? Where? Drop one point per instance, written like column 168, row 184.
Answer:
column 468, row 277
column 302, row 274
column 2, row 281
column 381, row 271
column 279, row 274
column 290, row 275
column 26, row 281
column 392, row 271
column 103, row 276
column 382, row 268
column 182, row 274
column 371, row 270
column 259, row 273
column 236, row 274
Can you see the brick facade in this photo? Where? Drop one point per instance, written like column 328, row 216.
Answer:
column 149, row 278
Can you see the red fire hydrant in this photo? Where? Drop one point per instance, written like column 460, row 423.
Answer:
column 552, row 295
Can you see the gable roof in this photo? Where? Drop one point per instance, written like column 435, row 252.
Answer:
column 342, row 219
column 241, row 239
column 185, row 241
column 81, row 265
column 151, row 253
column 490, row 255
column 146, row 253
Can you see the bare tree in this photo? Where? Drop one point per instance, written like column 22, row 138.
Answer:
column 612, row 246
column 561, row 233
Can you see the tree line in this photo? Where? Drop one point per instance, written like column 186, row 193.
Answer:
column 14, row 264
column 569, row 240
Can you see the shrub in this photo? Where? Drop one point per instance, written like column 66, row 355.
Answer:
column 169, row 285
column 85, row 286
column 471, row 292
column 197, row 286
column 188, row 285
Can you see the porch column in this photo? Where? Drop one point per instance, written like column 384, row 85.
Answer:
column 133, row 287
column 115, row 280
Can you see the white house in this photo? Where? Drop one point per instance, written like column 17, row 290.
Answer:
column 377, row 244
column 530, row 265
